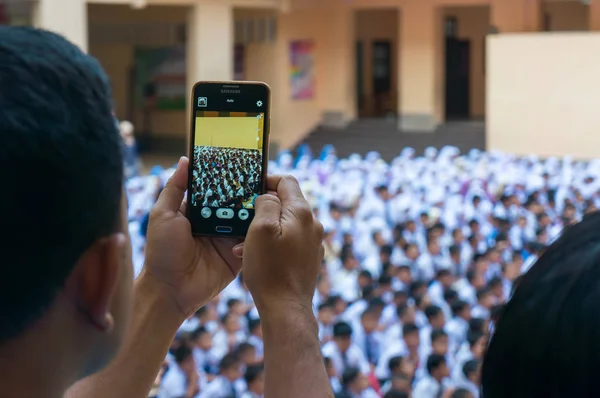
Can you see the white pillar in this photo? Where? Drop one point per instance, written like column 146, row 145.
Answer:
column 66, row 17
column 210, row 41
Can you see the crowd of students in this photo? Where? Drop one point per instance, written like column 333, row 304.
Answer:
column 421, row 254
column 225, row 177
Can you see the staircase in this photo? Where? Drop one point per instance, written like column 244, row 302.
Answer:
column 382, row 135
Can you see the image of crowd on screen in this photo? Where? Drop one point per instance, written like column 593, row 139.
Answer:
column 226, row 177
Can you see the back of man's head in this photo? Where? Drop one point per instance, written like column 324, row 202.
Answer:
column 545, row 344
column 60, row 166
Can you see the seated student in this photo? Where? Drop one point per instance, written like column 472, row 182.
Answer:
column 436, row 320
column 439, row 346
column 342, row 352
column 399, row 367
column 226, row 384
column 398, row 383
column 181, row 379
column 432, row 385
column 545, row 343
column 355, row 384
column 204, row 356
column 462, row 393
column 255, row 382
column 255, row 337
column 458, row 326
column 228, row 338
column 325, row 318
column 246, row 353
column 474, row 349
column 485, row 302
column 472, row 373
column 367, row 337
column 334, row 380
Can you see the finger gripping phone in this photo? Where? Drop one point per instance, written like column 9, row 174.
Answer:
column 228, row 153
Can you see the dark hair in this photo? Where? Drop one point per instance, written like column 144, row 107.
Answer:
column 432, row 311
column 473, row 336
column 458, row 307
column 232, row 301
column 461, row 393
column 253, row 372
column 182, row 353
column 253, row 324
column 481, row 293
column 409, row 328
column 342, row 329
column 243, row 347
column 394, row 362
column 350, row 375
column 545, row 343
column 434, row 361
column 195, row 335
column 477, row 325
column 228, row 361
column 437, row 334
column 56, row 127
column 470, row 367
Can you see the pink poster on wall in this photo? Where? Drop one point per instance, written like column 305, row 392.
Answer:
column 302, row 77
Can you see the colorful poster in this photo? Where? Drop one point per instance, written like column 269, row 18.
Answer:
column 160, row 78
column 302, row 76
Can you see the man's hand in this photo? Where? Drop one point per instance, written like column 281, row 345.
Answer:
column 283, row 249
column 188, row 271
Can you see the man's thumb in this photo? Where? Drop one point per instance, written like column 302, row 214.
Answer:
column 172, row 195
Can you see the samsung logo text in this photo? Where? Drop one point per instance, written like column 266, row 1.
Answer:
column 230, row 91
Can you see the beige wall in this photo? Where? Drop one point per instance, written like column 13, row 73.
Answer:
column 547, row 103
column 566, row 15
column 115, row 31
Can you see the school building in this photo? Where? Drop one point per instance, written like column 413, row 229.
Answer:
column 528, row 68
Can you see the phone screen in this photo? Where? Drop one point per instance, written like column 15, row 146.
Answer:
column 227, row 160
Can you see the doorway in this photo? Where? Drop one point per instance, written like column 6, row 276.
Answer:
column 458, row 73
column 382, row 77
column 376, row 64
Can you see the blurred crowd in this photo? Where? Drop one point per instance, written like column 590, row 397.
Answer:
column 421, row 253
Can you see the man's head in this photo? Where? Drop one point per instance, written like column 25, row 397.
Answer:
column 184, row 358
column 325, row 314
column 471, row 370
column 353, row 380
column 246, row 353
column 437, row 367
column 202, row 338
column 545, row 343
column 255, row 379
column 435, row 316
column 255, row 328
column 439, row 342
column 410, row 334
column 66, row 253
column 230, row 367
column 369, row 320
column 342, row 335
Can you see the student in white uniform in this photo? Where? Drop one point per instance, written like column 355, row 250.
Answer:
column 433, row 385
column 224, row 385
column 355, row 384
column 181, row 379
column 342, row 352
column 255, row 382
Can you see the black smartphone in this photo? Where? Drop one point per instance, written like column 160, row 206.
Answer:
column 228, row 153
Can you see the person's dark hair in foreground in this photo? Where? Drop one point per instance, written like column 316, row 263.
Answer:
column 71, row 317
column 545, row 343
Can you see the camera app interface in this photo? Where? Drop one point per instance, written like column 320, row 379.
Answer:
column 227, row 161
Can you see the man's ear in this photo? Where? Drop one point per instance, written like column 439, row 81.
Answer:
column 95, row 278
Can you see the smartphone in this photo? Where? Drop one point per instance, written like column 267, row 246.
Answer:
column 228, row 154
